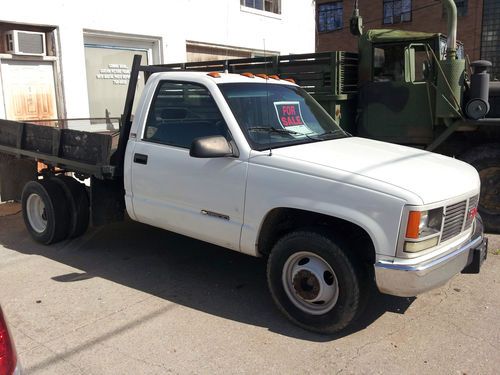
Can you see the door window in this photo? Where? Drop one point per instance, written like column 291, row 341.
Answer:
column 182, row 112
column 388, row 63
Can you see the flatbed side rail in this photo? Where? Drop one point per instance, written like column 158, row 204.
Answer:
column 73, row 150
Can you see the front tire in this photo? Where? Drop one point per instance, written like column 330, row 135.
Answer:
column 45, row 211
column 314, row 282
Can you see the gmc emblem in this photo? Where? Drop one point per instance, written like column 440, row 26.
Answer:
column 472, row 212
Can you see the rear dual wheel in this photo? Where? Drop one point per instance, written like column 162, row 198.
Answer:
column 77, row 197
column 55, row 209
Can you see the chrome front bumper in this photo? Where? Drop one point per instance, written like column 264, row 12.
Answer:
column 410, row 280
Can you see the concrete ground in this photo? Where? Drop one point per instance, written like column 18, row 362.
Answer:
column 128, row 298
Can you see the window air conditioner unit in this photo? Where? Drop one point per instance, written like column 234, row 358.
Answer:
column 20, row 42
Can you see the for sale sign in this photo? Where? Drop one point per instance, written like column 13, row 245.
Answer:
column 290, row 117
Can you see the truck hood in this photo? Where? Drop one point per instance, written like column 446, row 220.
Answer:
column 432, row 177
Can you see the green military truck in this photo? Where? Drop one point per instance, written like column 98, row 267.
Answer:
column 411, row 88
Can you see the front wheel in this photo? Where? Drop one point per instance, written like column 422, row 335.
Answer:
column 314, row 282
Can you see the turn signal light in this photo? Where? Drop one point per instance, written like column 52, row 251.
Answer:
column 247, row 74
column 412, row 229
column 214, row 75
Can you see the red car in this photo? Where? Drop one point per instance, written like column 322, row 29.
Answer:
column 8, row 357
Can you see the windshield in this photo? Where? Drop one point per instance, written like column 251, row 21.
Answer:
column 274, row 115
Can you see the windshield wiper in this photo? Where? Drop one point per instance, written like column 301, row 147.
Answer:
column 270, row 129
column 335, row 132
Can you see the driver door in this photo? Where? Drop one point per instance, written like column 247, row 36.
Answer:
column 200, row 198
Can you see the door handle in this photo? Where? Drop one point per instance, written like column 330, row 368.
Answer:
column 140, row 159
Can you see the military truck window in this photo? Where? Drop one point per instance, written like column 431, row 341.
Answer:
column 422, row 65
column 388, row 63
column 181, row 112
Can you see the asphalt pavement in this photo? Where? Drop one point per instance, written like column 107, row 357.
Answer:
column 128, row 298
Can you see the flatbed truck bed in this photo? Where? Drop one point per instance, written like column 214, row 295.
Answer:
column 83, row 152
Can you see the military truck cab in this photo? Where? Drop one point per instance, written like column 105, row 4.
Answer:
column 401, row 76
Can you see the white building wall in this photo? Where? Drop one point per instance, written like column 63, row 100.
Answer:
column 172, row 22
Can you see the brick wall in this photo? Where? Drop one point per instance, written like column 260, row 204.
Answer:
column 427, row 15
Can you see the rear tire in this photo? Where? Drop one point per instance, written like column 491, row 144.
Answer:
column 45, row 211
column 314, row 282
column 78, row 199
column 486, row 159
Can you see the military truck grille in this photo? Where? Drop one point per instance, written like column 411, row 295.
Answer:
column 457, row 218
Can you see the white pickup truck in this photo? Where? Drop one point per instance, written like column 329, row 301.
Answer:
column 255, row 165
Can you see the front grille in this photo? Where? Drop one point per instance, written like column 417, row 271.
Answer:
column 454, row 216
column 472, row 207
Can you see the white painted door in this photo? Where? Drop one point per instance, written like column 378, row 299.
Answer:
column 29, row 90
column 201, row 198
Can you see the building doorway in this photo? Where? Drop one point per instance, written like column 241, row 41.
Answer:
column 29, row 90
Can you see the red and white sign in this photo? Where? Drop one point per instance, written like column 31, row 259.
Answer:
column 290, row 117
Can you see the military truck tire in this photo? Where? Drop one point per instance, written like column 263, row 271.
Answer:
column 314, row 282
column 45, row 211
column 486, row 159
column 78, row 199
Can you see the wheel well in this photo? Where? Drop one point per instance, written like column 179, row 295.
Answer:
column 280, row 221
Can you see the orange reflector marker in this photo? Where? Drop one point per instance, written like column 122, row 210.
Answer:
column 214, row 75
column 274, row 77
column 263, row 76
column 290, row 80
column 412, row 228
column 247, row 74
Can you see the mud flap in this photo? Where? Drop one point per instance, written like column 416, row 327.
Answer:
column 14, row 174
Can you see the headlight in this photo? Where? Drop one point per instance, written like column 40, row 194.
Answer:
column 423, row 229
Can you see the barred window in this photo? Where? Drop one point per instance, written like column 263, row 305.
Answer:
column 396, row 11
column 490, row 38
column 330, row 16
column 462, row 8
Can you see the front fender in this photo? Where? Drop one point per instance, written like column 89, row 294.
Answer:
column 377, row 213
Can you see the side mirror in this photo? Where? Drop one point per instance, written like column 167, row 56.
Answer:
column 211, row 147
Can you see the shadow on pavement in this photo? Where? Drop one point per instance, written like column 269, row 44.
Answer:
column 181, row 270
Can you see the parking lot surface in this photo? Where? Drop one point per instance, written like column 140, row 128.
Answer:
column 128, row 298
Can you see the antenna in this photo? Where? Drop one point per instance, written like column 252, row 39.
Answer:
column 267, row 98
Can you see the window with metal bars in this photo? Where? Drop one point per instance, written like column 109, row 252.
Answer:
column 397, row 11
column 330, row 16
column 490, row 36
column 462, row 8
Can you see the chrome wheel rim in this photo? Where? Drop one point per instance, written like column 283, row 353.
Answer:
column 37, row 215
column 310, row 283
